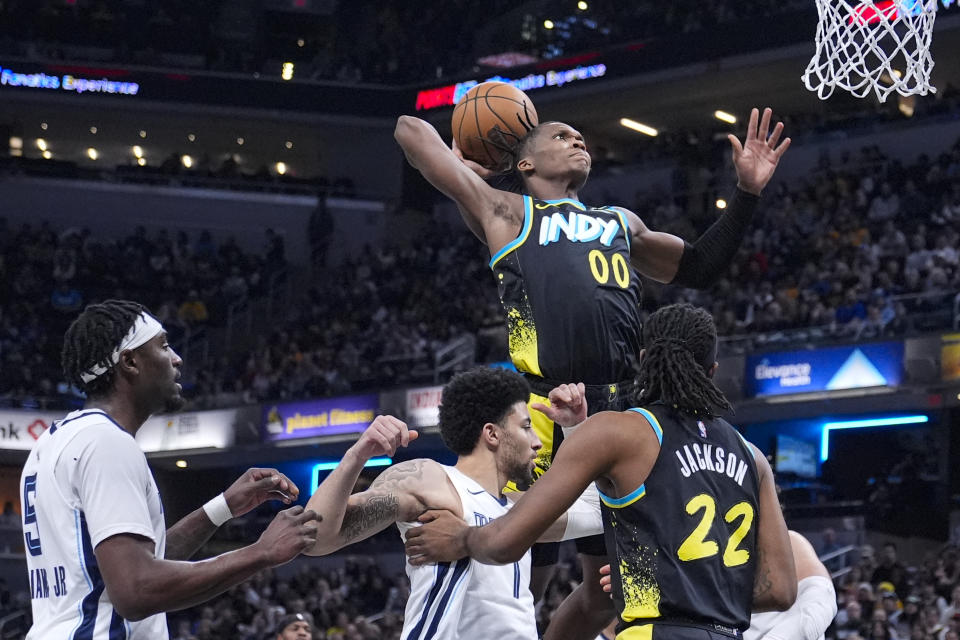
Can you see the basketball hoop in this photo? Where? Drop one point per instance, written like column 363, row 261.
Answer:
column 865, row 46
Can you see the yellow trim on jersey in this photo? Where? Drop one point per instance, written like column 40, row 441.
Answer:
column 625, row 501
column 640, row 632
column 524, row 232
column 557, row 203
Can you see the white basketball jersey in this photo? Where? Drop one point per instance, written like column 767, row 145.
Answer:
column 465, row 600
column 86, row 480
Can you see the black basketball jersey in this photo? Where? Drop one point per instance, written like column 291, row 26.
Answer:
column 571, row 298
column 683, row 545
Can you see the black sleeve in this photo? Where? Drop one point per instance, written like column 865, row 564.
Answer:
column 704, row 261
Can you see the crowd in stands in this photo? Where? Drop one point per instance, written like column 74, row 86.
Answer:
column 47, row 275
column 379, row 42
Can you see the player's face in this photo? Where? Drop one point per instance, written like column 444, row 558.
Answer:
column 296, row 631
column 161, row 370
column 560, row 150
column 518, row 451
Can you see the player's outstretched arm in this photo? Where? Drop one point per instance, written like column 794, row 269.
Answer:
column 775, row 580
column 668, row 259
column 494, row 216
column 383, row 437
column 816, row 603
column 250, row 490
column 590, row 452
column 140, row 584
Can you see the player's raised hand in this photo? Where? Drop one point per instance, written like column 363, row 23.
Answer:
column 477, row 168
column 383, row 437
column 256, row 486
column 756, row 159
column 568, row 405
column 442, row 538
column 288, row 535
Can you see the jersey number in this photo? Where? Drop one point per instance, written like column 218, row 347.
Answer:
column 696, row 546
column 600, row 268
column 31, row 531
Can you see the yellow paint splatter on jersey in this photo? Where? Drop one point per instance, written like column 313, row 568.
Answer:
column 641, row 593
column 522, row 338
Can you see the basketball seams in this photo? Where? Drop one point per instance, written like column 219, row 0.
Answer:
column 468, row 134
column 480, row 132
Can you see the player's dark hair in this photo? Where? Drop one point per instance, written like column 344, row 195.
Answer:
column 515, row 147
column 679, row 340
column 91, row 339
column 472, row 399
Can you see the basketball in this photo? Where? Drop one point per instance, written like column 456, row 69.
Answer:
column 491, row 111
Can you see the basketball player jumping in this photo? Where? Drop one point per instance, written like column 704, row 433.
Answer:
column 690, row 510
column 565, row 273
column 102, row 563
column 484, row 420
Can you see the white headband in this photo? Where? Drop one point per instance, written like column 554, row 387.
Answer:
column 144, row 328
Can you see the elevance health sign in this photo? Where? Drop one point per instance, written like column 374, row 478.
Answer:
column 858, row 366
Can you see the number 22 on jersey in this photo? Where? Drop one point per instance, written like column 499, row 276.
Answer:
column 696, row 546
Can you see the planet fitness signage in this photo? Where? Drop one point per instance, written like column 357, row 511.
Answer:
column 830, row 369
column 452, row 94
column 327, row 417
column 11, row 78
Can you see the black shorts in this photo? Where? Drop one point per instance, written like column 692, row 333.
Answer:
column 618, row 396
column 676, row 631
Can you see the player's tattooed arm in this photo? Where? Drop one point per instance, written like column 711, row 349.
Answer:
column 393, row 496
column 775, row 577
column 761, row 580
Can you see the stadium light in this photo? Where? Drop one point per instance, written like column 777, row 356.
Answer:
column 92, row 153
column 287, row 71
column 143, row 134
column 181, row 464
column 582, row 5
column 548, row 24
column 288, row 144
column 638, row 126
column 93, row 130
column 721, row 203
column 41, row 144
column 240, row 141
column 47, row 155
column 44, row 125
column 891, row 421
column 142, row 162
column 137, row 151
column 724, row 116
column 331, row 465
column 192, row 137
column 281, row 168
column 187, row 161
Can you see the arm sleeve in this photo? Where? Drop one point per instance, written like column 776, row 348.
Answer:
column 704, row 261
column 583, row 516
column 111, row 479
column 810, row 615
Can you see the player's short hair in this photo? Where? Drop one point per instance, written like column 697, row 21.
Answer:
column 679, row 342
column 474, row 398
column 91, row 340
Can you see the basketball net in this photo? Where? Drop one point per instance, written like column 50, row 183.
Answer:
column 865, row 46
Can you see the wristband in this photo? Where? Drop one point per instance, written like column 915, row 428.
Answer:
column 568, row 431
column 218, row 510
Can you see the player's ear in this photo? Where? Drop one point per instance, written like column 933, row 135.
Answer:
column 490, row 435
column 712, row 371
column 127, row 365
column 525, row 164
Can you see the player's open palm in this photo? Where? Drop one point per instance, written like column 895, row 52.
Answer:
column 383, row 437
column 568, row 405
column 256, row 486
column 756, row 159
column 290, row 533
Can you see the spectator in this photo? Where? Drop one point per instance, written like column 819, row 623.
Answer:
column 193, row 311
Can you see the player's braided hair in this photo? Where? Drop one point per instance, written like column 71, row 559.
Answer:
column 515, row 147
column 91, row 339
column 472, row 399
column 679, row 341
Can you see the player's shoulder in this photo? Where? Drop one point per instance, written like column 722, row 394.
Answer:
column 91, row 427
column 413, row 473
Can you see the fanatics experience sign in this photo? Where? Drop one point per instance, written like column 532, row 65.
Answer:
column 67, row 82
column 878, row 364
column 315, row 418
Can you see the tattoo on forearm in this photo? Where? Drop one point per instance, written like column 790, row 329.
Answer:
column 360, row 519
column 761, row 582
